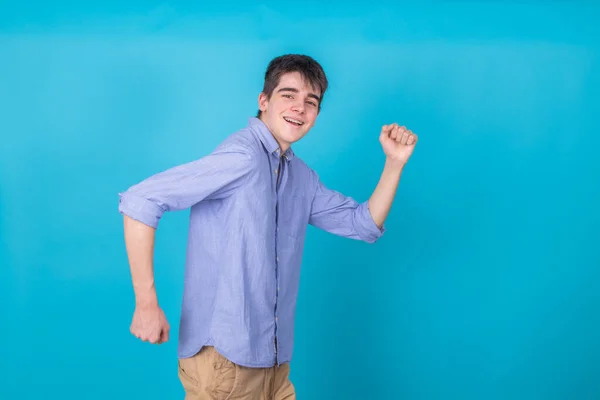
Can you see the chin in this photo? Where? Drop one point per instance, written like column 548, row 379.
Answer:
column 294, row 134
column 293, row 137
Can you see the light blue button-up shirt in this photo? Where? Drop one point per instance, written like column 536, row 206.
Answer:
column 250, row 206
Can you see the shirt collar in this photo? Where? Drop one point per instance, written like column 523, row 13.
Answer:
column 267, row 139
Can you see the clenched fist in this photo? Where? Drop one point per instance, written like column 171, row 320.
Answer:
column 150, row 324
column 398, row 143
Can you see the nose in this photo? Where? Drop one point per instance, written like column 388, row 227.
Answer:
column 298, row 106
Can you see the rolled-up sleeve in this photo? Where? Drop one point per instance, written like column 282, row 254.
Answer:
column 342, row 215
column 213, row 176
column 140, row 208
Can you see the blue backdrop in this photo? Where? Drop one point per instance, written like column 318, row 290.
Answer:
column 486, row 284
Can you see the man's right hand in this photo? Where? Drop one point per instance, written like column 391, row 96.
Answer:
column 150, row 324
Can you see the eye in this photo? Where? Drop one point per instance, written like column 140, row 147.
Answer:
column 289, row 96
column 312, row 103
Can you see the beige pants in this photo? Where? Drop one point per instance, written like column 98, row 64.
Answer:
column 210, row 376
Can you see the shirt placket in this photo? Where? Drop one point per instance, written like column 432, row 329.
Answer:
column 278, row 178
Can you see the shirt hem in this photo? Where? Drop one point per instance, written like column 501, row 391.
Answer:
column 233, row 359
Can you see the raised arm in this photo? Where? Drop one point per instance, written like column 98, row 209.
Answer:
column 398, row 144
column 344, row 216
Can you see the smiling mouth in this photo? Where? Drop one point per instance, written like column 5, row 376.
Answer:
column 293, row 121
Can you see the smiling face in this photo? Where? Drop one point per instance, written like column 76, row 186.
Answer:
column 292, row 109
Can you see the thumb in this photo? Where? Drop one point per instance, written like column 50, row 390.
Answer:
column 386, row 129
column 385, row 132
column 164, row 335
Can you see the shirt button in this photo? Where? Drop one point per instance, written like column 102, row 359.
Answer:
column 276, row 172
column 277, row 258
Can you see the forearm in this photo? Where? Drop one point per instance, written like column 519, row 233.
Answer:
column 381, row 200
column 139, row 242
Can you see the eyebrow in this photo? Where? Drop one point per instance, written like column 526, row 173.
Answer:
column 289, row 89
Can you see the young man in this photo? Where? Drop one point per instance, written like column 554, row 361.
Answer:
column 251, row 200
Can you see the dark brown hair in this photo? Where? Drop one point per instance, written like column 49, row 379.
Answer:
column 310, row 70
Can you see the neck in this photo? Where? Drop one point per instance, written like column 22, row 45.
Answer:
column 282, row 147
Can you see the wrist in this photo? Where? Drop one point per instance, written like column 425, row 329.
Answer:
column 393, row 165
column 146, row 298
column 146, row 302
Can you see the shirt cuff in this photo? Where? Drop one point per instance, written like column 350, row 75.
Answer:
column 366, row 226
column 140, row 209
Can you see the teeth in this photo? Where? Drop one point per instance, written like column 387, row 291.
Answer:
column 293, row 121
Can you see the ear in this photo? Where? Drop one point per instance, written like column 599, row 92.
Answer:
column 262, row 102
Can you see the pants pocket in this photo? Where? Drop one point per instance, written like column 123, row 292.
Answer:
column 225, row 375
column 188, row 375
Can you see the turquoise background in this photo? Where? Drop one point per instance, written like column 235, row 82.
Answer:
column 486, row 284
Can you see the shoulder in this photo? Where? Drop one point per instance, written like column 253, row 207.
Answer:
column 241, row 143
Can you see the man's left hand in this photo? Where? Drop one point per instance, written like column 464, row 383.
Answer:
column 398, row 143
